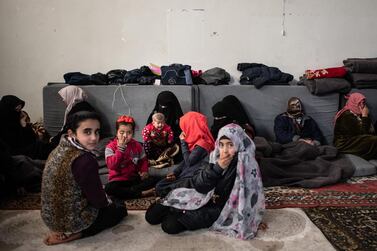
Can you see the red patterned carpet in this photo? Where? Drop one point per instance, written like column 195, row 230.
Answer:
column 347, row 228
column 355, row 192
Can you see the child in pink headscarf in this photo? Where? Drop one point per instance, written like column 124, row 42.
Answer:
column 353, row 131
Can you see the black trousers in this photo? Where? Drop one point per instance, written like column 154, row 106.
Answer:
column 159, row 214
column 107, row 217
column 130, row 189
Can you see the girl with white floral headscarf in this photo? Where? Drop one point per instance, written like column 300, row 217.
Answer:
column 226, row 195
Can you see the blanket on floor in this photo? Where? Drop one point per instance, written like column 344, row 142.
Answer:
column 303, row 165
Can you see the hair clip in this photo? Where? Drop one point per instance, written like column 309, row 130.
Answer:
column 125, row 119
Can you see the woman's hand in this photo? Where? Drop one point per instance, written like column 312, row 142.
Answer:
column 170, row 177
column 364, row 111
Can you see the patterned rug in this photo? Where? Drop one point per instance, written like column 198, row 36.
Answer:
column 361, row 191
column 358, row 191
column 33, row 201
column 347, row 228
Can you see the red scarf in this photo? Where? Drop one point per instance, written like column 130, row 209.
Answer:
column 195, row 127
column 353, row 104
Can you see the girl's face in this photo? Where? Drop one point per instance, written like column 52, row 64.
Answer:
column 227, row 148
column 87, row 134
column 126, row 132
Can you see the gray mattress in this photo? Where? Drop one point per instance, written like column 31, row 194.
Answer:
column 262, row 105
column 138, row 102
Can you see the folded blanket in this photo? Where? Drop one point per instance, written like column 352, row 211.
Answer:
column 361, row 65
column 363, row 80
column 326, row 85
column 335, row 72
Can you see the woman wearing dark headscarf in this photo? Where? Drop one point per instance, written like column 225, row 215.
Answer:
column 168, row 104
column 353, row 131
column 16, row 131
column 295, row 125
column 230, row 110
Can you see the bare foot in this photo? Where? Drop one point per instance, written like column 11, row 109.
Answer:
column 56, row 238
column 149, row 192
column 262, row 226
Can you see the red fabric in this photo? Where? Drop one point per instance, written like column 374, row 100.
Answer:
column 197, row 73
column 353, row 104
column 336, row 72
column 122, row 165
column 158, row 137
column 195, row 127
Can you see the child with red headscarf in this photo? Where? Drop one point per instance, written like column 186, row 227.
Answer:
column 127, row 163
column 196, row 143
column 353, row 131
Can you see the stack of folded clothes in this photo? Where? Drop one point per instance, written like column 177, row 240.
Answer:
column 327, row 80
column 362, row 72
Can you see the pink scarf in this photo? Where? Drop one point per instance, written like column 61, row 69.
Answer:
column 353, row 104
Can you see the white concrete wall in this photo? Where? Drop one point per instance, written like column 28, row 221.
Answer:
column 40, row 40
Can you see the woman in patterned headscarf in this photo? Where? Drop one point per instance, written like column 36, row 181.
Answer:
column 353, row 131
column 75, row 100
column 226, row 195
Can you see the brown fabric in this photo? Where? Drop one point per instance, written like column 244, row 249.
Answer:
column 354, row 135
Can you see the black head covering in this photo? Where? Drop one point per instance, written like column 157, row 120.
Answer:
column 238, row 112
column 233, row 111
column 221, row 117
column 8, row 114
column 168, row 104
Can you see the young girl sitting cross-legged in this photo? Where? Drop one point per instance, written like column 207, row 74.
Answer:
column 225, row 195
column 74, row 204
column 128, row 164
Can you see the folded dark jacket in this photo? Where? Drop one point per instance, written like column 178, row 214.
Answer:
column 361, row 65
column 323, row 86
column 78, row 78
column 259, row 74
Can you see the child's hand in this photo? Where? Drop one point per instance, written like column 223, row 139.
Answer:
column 144, row 175
column 182, row 136
column 122, row 141
column 224, row 160
column 170, row 177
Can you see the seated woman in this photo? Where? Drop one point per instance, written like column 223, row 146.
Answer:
column 230, row 110
column 75, row 99
column 74, row 203
column 295, row 125
column 218, row 193
column 17, row 132
column 196, row 144
column 353, row 131
column 168, row 104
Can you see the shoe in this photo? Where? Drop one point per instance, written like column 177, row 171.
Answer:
column 168, row 153
column 162, row 165
column 172, row 151
column 152, row 162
